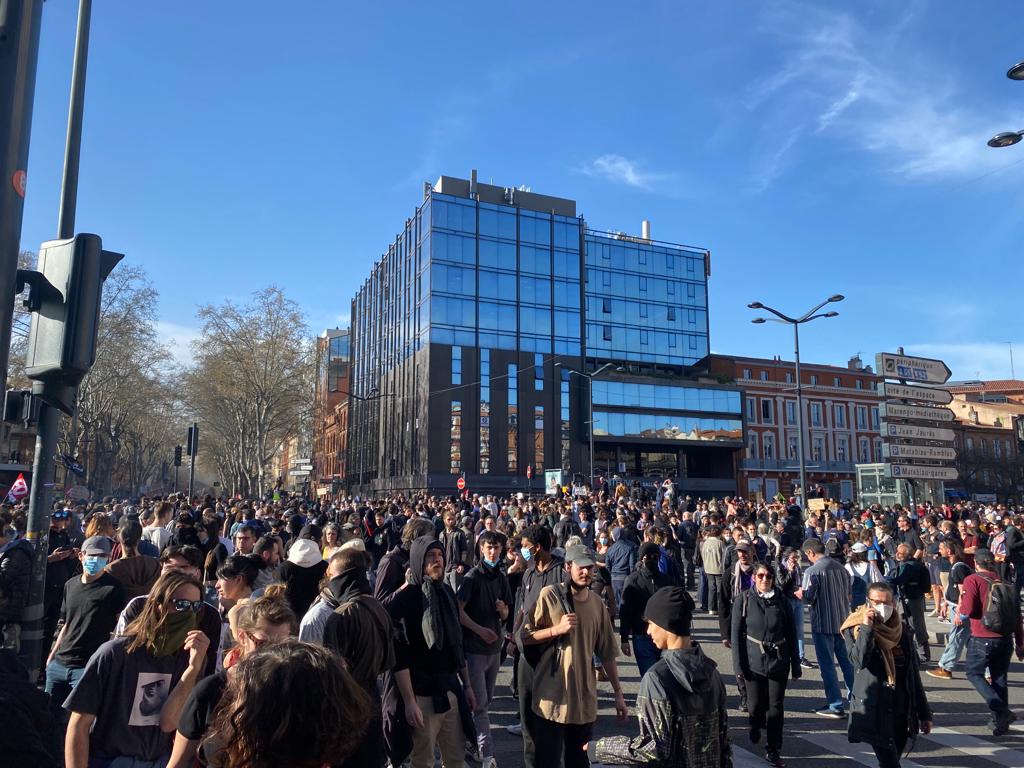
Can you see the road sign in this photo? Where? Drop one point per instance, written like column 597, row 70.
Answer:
column 461, row 483
column 894, row 451
column 923, row 412
column 912, row 368
column 915, row 432
column 304, row 467
column 913, row 472
column 301, row 461
column 906, row 392
column 297, row 473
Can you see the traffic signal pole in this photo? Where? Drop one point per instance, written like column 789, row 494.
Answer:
column 20, row 22
column 49, row 415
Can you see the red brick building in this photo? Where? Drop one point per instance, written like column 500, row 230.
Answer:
column 841, row 423
column 330, row 410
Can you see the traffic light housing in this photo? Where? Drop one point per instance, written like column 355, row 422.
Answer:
column 65, row 296
column 177, row 455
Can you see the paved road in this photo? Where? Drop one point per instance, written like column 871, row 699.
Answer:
column 812, row 741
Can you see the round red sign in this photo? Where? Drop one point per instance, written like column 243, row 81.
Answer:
column 461, row 483
column 20, row 182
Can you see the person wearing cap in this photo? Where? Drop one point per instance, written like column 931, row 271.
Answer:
column 88, row 615
column 640, row 586
column 569, row 625
column 862, row 573
column 136, row 572
column 681, row 705
column 301, row 574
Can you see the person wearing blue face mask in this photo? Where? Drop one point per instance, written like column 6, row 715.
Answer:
column 88, row 615
column 484, row 598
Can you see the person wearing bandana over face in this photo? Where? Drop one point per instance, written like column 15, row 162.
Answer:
column 126, row 707
column 764, row 653
column 88, row 614
column 889, row 705
column 429, row 661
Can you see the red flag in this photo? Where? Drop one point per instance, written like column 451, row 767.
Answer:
column 19, row 490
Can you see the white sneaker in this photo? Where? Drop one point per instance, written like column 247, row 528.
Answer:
column 515, row 729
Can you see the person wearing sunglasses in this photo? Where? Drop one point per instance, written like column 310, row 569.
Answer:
column 764, row 653
column 134, row 688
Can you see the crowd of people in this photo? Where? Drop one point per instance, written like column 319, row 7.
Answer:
column 182, row 632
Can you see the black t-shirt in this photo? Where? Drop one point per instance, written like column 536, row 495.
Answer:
column 197, row 715
column 479, row 590
column 89, row 613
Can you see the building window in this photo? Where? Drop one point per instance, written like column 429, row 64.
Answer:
column 997, row 449
column 746, row 373
column 858, row 384
column 645, row 337
column 670, row 314
column 983, row 444
column 818, row 448
column 751, row 410
column 485, row 411
column 643, row 310
column 606, row 332
column 865, row 451
column 790, row 412
column 969, row 443
column 564, row 395
column 752, row 445
column 862, row 417
column 455, row 441
column 670, row 288
column 878, row 449
column 538, row 372
column 789, row 377
column 835, row 382
column 768, row 444
column 456, row 365
column 606, row 279
column 815, row 414
column 767, row 415
column 513, row 418
column 792, row 447
column 764, row 375
column 606, row 306
column 643, row 285
column 814, row 380
column 538, row 440
column 840, row 411
column 874, row 419
column 842, row 449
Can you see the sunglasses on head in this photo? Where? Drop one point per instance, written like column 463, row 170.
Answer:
column 59, row 515
column 181, row 605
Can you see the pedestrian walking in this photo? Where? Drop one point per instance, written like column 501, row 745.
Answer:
column 914, row 584
column 641, row 585
column 960, row 633
column 712, row 553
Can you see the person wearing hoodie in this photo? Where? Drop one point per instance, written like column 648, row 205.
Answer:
column 136, row 572
column 430, row 662
column 301, row 574
column 360, row 631
column 681, row 705
column 391, row 568
column 641, row 585
column 15, row 572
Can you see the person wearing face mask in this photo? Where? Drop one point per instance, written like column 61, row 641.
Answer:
column 484, row 598
column 889, row 706
column 131, row 695
column 88, row 614
column 764, row 653
column 640, row 587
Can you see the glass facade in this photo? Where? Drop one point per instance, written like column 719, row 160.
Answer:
column 485, row 411
column 513, row 418
column 665, row 426
column 666, row 396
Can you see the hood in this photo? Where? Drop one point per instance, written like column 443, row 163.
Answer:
column 304, row 553
column 689, row 666
column 348, row 585
column 417, row 554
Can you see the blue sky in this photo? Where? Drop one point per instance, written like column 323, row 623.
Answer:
column 814, row 148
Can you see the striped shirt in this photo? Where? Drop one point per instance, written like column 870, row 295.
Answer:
column 826, row 587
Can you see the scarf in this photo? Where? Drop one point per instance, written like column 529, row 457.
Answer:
column 887, row 635
column 440, row 623
column 737, row 578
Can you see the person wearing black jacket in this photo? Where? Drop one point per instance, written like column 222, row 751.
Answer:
column 914, row 582
column 687, row 532
column 15, row 574
column 764, row 652
column 734, row 583
column 639, row 588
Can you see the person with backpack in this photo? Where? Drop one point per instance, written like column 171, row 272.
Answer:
column 914, row 583
column 961, row 631
column 993, row 609
column 863, row 572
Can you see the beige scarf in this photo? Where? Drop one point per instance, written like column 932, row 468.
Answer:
column 887, row 635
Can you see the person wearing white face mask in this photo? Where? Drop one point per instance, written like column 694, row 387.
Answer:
column 889, row 705
column 765, row 655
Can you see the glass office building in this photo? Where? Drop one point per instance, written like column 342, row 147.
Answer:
column 470, row 331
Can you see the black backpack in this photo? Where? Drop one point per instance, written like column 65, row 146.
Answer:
column 1001, row 612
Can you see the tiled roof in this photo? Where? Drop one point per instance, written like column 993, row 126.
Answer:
column 998, row 385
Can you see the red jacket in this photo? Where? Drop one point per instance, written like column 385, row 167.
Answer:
column 972, row 604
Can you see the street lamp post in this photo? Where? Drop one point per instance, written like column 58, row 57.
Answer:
column 1009, row 138
column 796, row 322
column 590, row 391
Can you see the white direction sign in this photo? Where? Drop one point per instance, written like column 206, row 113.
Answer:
column 913, row 472
column 298, row 472
column 912, row 368
column 895, row 451
column 926, row 412
column 925, row 394
column 304, row 467
column 916, row 432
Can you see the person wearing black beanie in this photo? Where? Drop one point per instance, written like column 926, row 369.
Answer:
column 682, row 697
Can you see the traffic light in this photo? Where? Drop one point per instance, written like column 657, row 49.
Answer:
column 177, row 455
column 20, row 407
column 64, row 298
column 192, row 441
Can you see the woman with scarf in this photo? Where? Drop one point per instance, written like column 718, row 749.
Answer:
column 764, row 653
column 429, row 664
column 134, row 687
column 889, row 705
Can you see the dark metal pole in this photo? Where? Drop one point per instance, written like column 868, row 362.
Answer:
column 800, row 421
column 20, row 21
column 193, row 450
column 49, row 416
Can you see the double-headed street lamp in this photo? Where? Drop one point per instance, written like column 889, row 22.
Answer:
column 796, row 322
column 590, row 377
column 1009, row 138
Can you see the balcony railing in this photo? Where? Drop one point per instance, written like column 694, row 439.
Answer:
column 792, row 465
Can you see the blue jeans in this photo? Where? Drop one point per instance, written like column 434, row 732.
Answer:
column 618, row 583
column 993, row 653
column 958, row 637
column 798, row 622
column 61, row 681
column 703, row 593
column 645, row 653
column 829, row 647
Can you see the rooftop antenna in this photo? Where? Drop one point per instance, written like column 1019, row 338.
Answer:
column 1013, row 374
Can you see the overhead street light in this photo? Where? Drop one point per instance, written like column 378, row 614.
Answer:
column 796, row 322
column 590, row 378
column 1009, row 138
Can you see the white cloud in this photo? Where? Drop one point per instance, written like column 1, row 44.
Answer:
column 971, row 360
column 623, row 170
column 178, row 339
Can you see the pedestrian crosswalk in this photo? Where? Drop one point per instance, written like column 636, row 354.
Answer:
column 979, row 748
